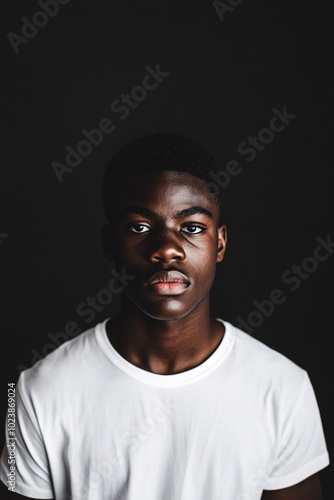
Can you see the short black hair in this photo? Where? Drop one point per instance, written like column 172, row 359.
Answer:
column 154, row 153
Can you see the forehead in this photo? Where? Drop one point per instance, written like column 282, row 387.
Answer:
column 166, row 188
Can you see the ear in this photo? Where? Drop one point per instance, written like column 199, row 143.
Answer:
column 222, row 241
column 107, row 242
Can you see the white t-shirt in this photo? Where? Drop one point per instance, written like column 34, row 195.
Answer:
column 90, row 425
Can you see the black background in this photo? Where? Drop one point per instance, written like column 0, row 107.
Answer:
column 225, row 77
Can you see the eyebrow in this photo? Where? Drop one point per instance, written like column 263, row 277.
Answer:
column 193, row 210
column 145, row 212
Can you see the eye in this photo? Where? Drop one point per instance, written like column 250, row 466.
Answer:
column 193, row 229
column 138, row 228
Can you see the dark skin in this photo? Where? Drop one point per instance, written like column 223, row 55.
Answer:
column 166, row 334
column 170, row 330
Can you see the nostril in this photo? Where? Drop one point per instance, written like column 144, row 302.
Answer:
column 166, row 250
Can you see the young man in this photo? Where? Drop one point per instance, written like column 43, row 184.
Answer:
column 164, row 401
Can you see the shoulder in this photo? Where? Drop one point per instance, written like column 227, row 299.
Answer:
column 265, row 366
column 69, row 363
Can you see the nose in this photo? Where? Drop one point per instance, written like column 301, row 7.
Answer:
column 166, row 247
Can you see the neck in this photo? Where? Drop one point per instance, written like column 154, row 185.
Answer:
column 165, row 346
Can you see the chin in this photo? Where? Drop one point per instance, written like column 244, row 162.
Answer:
column 170, row 310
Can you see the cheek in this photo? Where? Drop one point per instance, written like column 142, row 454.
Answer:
column 204, row 253
column 203, row 266
column 124, row 250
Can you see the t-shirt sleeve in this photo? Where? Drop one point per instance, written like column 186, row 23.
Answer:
column 302, row 448
column 31, row 473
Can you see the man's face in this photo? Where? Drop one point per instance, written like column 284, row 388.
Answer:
column 161, row 237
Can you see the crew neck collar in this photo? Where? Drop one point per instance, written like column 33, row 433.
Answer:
column 160, row 380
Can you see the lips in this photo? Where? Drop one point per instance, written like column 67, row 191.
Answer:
column 168, row 283
column 168, row 277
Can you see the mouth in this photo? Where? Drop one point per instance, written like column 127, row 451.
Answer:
column 168, row 283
